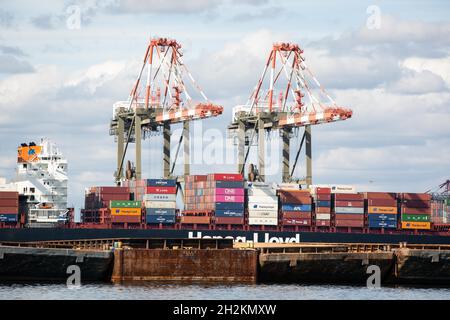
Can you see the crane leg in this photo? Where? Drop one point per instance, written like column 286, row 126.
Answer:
column 308, row 156
column 186, row 148
column 137, row 131
column 285, row 154
column 261, row 150
column 241, row 147
column 166, row 149
column 120, row 146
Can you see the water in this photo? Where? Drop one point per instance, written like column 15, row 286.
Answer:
column 151, row 291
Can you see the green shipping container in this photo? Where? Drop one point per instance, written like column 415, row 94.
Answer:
column 125, row 204
column 416, row 217
column 448, row 202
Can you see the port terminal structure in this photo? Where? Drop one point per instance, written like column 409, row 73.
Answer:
column 154, row 106
column 261, row 114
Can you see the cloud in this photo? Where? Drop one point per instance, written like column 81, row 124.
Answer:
column 11, row 61
column 6, row 19
column 418, row 82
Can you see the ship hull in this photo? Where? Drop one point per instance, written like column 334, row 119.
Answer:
column 43, row 234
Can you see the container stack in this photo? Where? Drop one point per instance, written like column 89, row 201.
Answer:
column 137, row 188
column 126, row 211
column 9, row 206
column 322, row 202
column 196, row 208
column 348, row 209
column 228, row 200
column 97, row 203
column 440, row 209
column 382, row 210
column 262, row 204
column 415, row 211
column 160, row 201
column 296, row 207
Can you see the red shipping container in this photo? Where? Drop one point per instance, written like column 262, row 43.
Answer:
column 296, row 215
column 125, row 219
column 380, row 195
column 225, row 177
column 323, row 210
column 299, row 198
column 321, row 190
column 9, row 202
column 12, row 210
column 382, row 202
column 112, row 189
column 229, row 220
column 323, row 197
column 354, row 204
column 349, row 223
column 348, row 196
column 416, row 204
column 416, row 210
column 296, row 222
column 9, row 195
column 358, row 217
column 161, row 190
column 416, row 196
column 323, row 223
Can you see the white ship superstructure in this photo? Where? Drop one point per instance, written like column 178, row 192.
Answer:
column 42, row 177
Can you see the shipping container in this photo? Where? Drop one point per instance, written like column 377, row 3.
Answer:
column 9, row 202
column 296, row 222
column 415, row 204
column 323, row 216
column 348, row 210
column 294, row 197
column 381, row 216
column 230, row 191
column 229, row 213
column 296, row 215
column 263, row 199
column 296, row 207
column 323, row 210
column 323, row 223
column 415, row 196
column 9, row 210
column 125, row 204
column 161, row 183
column 349, row 223
column 227, row 184
column 416, row 210
column 349, row 216
column 382, row 203
column 229, row 220
column 163, row 190
column 160, row 204
column 416, row 217
column 263, row 214
column 263, row 221
column 225, row 177
column 9, row 195
column 229, row 206
column 263, row 206
column 385, row 224
column 228, row 198
column 323, row 197
column 263, row 192
column 126, row 211
column 382, row 210
column 195, row 219
column 348, row 197
column 163, row 219
column 160, row 197
column 160, row 212
column 357, row 204
column 416, row 225
column 125, row 219
column 380, row 196
column 323, row 203
column 8, row 217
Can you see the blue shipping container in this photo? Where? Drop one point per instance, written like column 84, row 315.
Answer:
column 160, row 219
column 8, row 217
column 229, row 213
column 382, row 224
column 161, row 183
column 230, row 184
column 160, row 212
column 323, row 203
column 296, row 207
column 383, row 217
column 229, row 206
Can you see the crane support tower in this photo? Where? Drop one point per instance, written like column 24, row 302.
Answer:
column 157, row 102
column 288, row 98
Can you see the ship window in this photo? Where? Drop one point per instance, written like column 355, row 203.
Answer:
column 32, row 190
column 24, row 165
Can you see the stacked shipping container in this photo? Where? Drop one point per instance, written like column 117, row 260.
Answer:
column 9, row 206
column 262, row 203
column 415, row 211
column 160, row 201
column 382, row 210
column 126, row 211
column 97, row 202
column 348, row 209
column 137, row 188
column 322, row 202
column 296, row 207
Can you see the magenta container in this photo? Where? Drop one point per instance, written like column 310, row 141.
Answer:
column 229, row 198
column 230, row 191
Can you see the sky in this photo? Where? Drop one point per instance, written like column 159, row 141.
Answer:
column 63, row 64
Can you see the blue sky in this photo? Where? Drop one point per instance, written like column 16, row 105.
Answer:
column 61, row 82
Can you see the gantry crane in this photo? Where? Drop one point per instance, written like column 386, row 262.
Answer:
column 152, row 107
column 289, row 74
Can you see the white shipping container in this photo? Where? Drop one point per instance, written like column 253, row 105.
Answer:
column 262, row 206
column 160, row 197
column 323, row 216
column 257, row 185
column 262, row 199
column 288, row 186
column 161, row 204
column 263, row 221
column 335, row 188
column 263, row 214
column 262, row 192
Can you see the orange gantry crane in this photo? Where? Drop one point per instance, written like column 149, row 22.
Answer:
column 288, row 98
column 153, row 106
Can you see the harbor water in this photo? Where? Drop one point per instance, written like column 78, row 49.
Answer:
column 152, row 291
